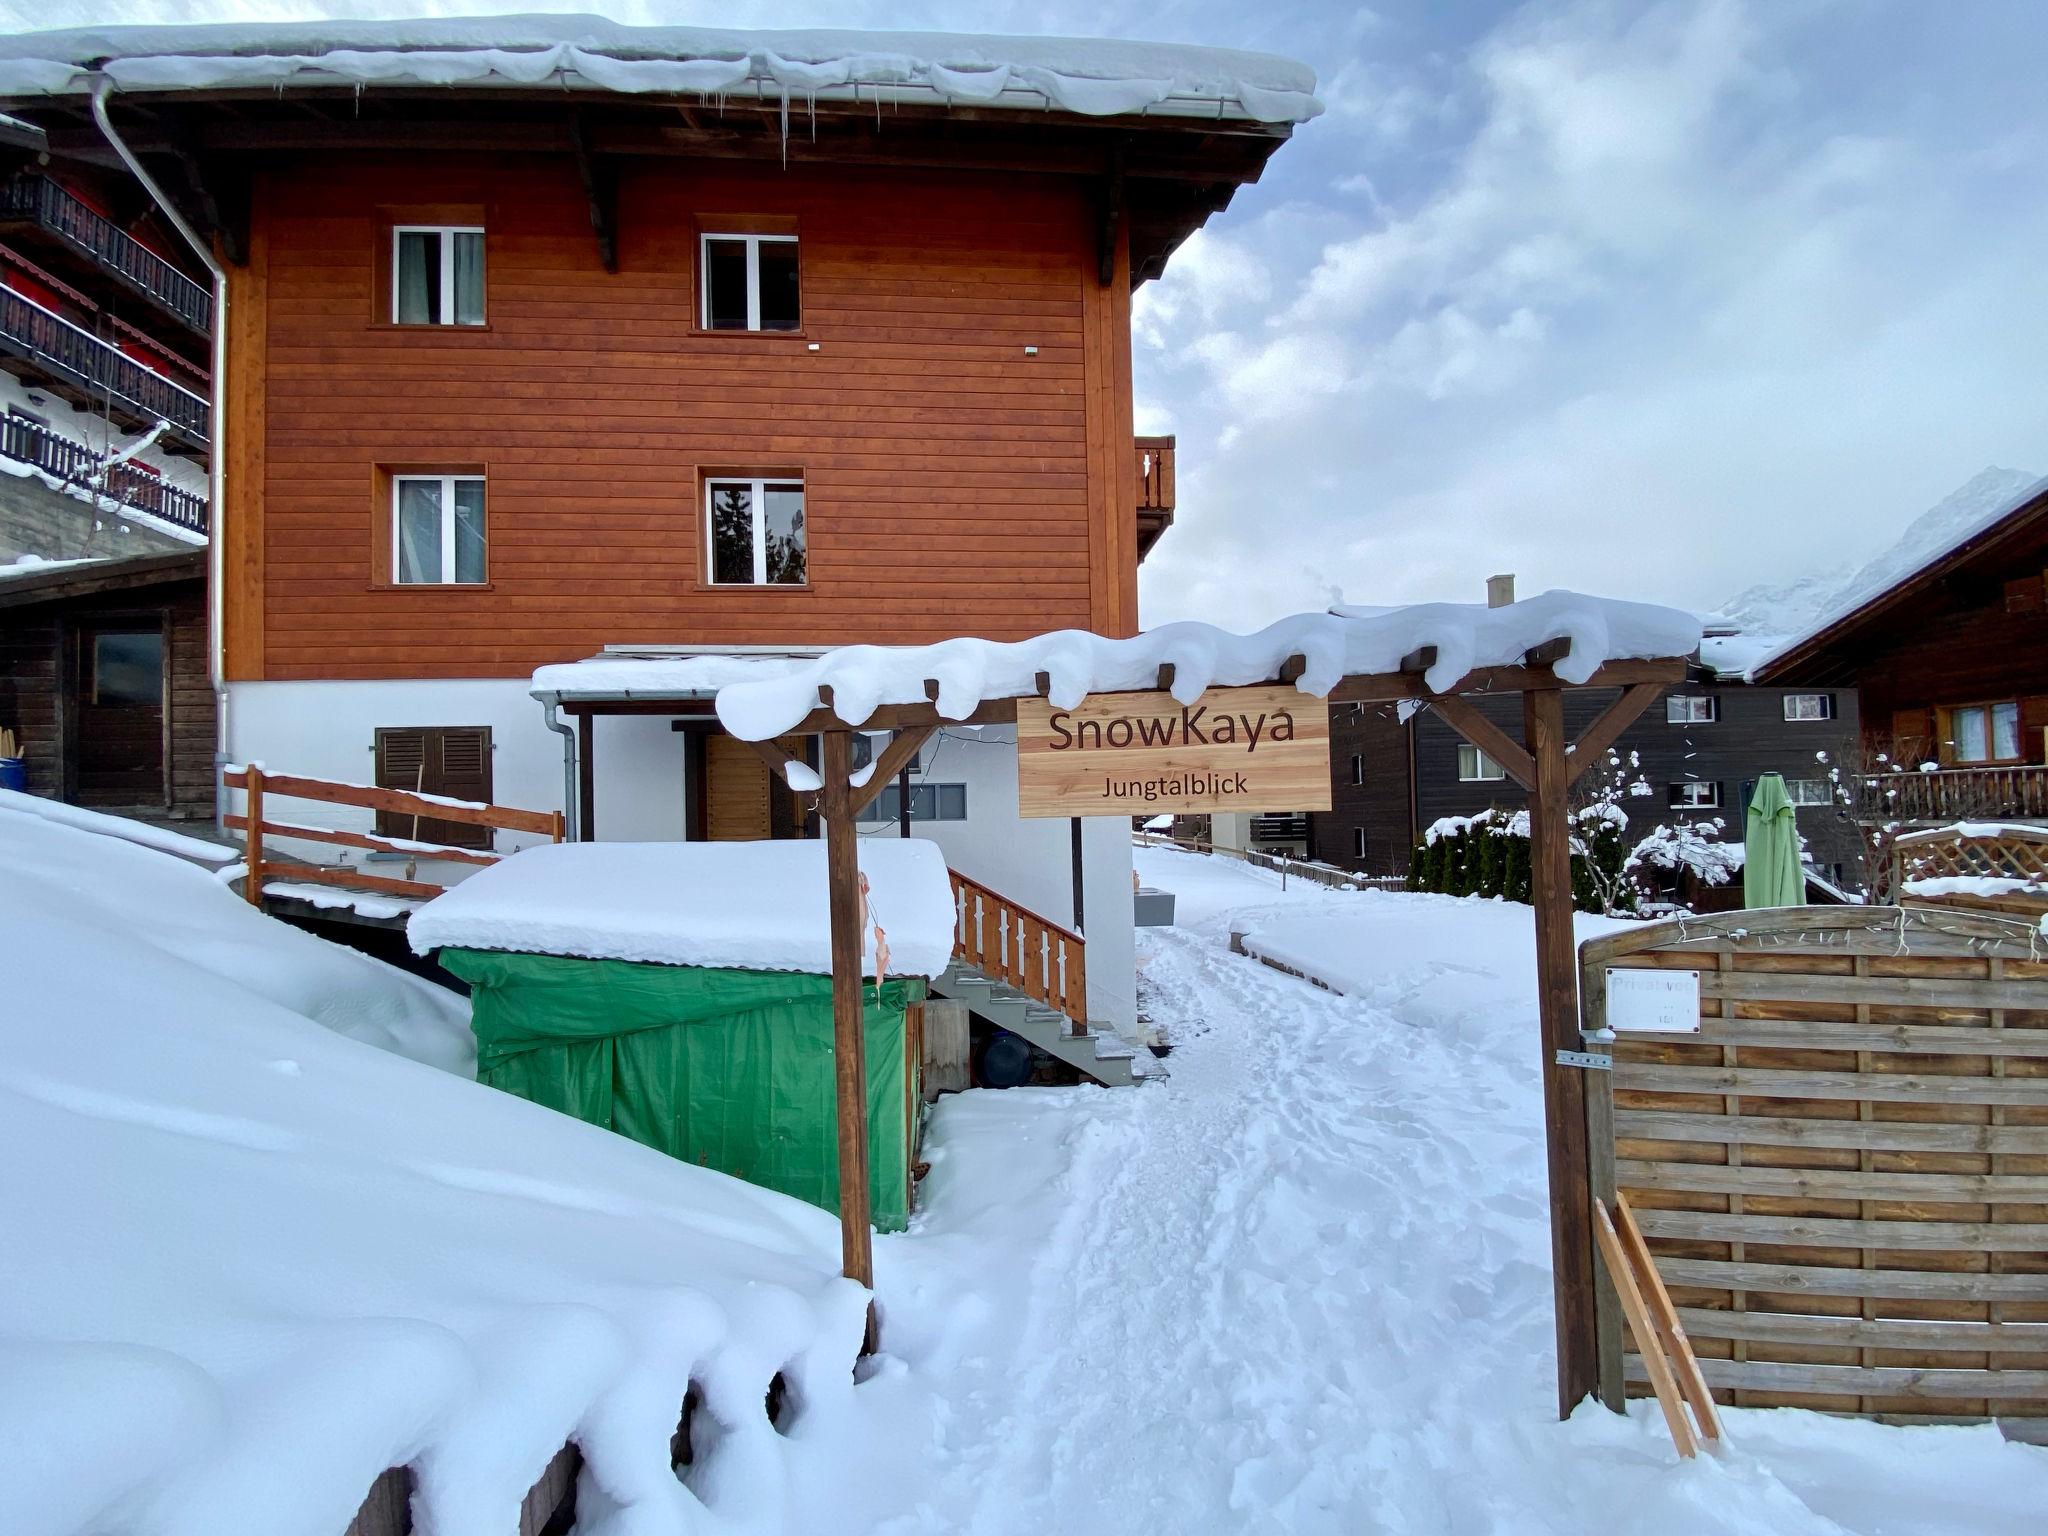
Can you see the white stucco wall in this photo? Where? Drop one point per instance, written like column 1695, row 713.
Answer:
column 325, row 730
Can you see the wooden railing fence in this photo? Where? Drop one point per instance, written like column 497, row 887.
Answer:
column 1843, row 1173
column 1044, row 961
column 256, row 823
column 1956, row 794
column 1156, row 490
column 1284, row 865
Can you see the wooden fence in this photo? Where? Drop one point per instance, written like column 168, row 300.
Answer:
column 1041, row 959
column 2013, row 856
column 256, row 823
column 1282, row 864
column 1843, row 1175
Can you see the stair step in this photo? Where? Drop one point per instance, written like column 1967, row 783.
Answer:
column 1110, row 1048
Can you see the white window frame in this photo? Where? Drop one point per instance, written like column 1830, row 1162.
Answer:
column 1684, row 795
column 1826, row 702
column 1675, row 715
column 447, row 232
column 1989, row 710
column 753, row 244
column 1807, row 792
column 758, row 500
column 1358, row 767
column 1481, row 763
column 1358, row 842
column 447, row 484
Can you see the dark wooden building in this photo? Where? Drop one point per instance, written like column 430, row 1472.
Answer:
column 103, row 677
column 1699, row 752
column 1951, row 663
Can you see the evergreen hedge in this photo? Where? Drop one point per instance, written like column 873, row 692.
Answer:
column 1488, row 855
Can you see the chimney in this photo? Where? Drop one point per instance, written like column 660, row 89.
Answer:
column 1500, row 590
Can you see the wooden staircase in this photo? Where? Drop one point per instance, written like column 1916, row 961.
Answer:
column 1017, row 971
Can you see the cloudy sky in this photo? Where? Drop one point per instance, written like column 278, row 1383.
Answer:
column 1646, row 297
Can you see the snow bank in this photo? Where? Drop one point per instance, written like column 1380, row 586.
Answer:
column 111, row 875
column 758, row 906
column 1341, row 643
column 693, row 674
column 250, row 1263
column 1095, row 77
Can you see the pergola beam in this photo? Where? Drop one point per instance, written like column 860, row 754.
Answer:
column 894, row 759
column 1465, row 718
column 1616, row 718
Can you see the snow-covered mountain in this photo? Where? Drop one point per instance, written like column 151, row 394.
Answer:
column 1771, row 614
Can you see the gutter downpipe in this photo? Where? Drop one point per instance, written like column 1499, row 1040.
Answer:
column 216, row 466
column 572, row 807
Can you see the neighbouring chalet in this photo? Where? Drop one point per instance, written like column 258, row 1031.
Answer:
column 1951, row 662
column 1700, row 751
column 553, row 341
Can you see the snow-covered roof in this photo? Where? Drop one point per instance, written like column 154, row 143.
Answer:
column 753, row 906
column 1345, row 642
column 1987, row 500
column 1095, row 77
column 676, row 672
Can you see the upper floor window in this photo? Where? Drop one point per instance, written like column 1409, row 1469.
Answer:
column 1358, row 767
column 1985, row 733
column 1691, row 709
column 756, row 532
column 437, row 529
column 437, row 275
column 1810, row 791
column 1474, row 766
column 1695, row 794
column 1809, row 706
column 749, row 283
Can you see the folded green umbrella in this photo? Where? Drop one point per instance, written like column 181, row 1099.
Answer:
column 1771, row 873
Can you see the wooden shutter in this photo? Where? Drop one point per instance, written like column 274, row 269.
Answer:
column 451, row 760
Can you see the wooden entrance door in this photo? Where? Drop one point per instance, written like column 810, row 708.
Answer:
column 736, row 798
column 118, row 737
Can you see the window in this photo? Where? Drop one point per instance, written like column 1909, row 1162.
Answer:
column 869, row 745
column 1694, row 794
column 1358, row 767
column 757, row 532
column 1474, row 766
column 1358, row 842
column 928, row 802
column 749, row 283
column 1985, row 733
column 1809, row 706
column 437, row 530
column 1809, row 791
column 437, row 275
column 451, row 760
column 128, row 667
column 1691, row 709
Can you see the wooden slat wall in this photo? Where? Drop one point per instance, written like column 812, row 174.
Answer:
column 1844, row 1176
column 954, row 483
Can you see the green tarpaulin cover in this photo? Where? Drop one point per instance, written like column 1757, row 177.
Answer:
column 1771, row 875
column 728, row 1069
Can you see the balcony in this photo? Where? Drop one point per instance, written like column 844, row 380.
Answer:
column 79, row 367
column 1155, row 490
column 37, row 211
column 64, row 459
column 2014, row 793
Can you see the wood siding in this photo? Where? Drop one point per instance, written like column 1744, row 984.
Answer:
column 1380, row 804
column 953, row 482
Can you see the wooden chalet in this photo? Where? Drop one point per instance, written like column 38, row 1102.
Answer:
column 548, row 339
column 1951, row 665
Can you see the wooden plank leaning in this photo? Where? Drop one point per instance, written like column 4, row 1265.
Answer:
column 1649, row 1337
column 1664, row 1314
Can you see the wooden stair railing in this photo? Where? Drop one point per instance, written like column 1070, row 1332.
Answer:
column 1013, row 944
column 255, row 822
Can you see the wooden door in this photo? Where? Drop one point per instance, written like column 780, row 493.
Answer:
column 736, row 803
column 118, row 736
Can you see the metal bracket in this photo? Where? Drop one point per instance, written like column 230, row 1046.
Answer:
column 1592, row 1061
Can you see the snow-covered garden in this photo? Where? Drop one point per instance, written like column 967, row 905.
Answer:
column 266, row 1239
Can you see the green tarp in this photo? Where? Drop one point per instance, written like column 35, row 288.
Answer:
column 1771, row 873
column 728, row 1069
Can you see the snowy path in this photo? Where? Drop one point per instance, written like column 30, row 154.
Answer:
column 1303, row 1285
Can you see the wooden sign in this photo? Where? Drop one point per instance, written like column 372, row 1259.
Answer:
column 1663, row 1002
column 1136, row 754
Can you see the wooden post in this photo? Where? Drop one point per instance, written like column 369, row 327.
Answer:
column 252, row 883
column 1080, row 906
column 849, row 1042
column 1564, row 1090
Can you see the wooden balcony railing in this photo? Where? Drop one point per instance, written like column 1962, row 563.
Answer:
column 64, row 458
column 48, row 210
column 255, row 822
column 1044, row 961
column 1957, row 794
column 81, row 361
column 1155, row 490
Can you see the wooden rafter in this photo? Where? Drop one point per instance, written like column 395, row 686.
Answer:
column 1616, row 718
column 894, row 759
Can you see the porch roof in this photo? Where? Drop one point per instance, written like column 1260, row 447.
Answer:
column 655, row 675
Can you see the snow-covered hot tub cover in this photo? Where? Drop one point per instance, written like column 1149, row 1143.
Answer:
column 1345, row 642
column 1095, row 77
column 742, row 906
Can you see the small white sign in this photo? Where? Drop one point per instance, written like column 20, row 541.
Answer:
column 1667, row 1002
